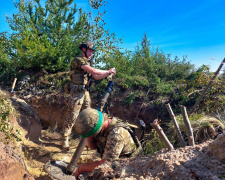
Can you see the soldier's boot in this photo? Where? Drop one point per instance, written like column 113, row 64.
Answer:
column 65, row 143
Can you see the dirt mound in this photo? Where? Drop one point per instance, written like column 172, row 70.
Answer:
column 51, row 109
column 18, row 123
column 183, row 163
column 12, row 165
column 217, row 148
column 28, row 120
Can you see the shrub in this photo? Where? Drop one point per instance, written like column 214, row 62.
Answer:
column 6, row 109
column 153, row 145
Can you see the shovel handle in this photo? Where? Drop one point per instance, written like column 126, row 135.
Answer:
column 14, row 83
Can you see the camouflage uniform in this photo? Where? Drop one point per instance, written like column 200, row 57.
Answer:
column 79, row 96
column 116, row 142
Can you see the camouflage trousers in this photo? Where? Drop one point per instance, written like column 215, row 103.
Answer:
column 77, row 102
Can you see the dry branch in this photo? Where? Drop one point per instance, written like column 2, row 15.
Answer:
column 172, row 116
column 194, row 92
column 161, row 134
column 187, row 124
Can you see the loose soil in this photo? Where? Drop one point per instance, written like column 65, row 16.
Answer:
column 182, row 163
column 49, row 148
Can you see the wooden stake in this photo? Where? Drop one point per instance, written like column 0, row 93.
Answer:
column 172, row 116
column 187, row 126
column 161, row 134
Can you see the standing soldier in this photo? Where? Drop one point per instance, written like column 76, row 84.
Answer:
column 79, row 96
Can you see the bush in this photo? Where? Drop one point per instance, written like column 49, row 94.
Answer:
column 6, row 109
column 155, row 144
column 191, row 89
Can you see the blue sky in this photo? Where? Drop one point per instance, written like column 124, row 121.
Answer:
column 192, row 28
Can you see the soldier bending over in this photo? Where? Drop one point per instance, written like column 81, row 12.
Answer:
column 110, row 136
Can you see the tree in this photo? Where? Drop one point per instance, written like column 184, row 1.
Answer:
column 193, row 86
column 149, row 67
column 5, row 62
column 107, row 43
column 48, row 37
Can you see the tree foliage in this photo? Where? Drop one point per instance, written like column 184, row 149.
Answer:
column 48, row 37
column 191, row 89
column 149, row 67
column 6, row 65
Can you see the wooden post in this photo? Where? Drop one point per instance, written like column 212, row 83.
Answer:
column 161, row 134
column 187, row 126
column 172, row 116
